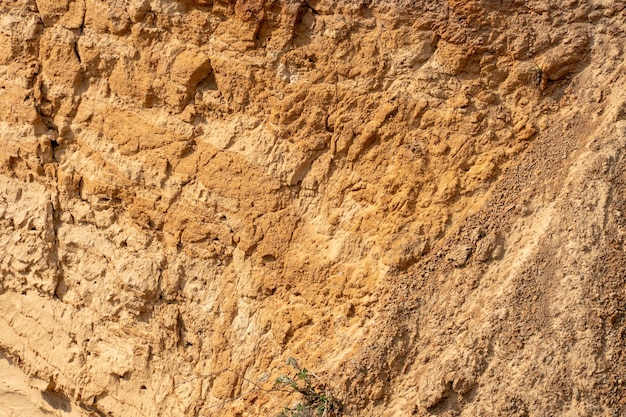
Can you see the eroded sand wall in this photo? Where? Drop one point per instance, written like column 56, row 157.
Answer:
column 420, row 201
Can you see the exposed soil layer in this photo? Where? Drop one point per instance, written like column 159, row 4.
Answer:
column 422, row 202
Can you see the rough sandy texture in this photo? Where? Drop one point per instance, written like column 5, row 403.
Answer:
column 420, row 201
column 21, row 396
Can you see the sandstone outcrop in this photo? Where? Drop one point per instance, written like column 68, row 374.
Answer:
column 420, row 201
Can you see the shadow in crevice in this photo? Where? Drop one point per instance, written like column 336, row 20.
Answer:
column 57, row 400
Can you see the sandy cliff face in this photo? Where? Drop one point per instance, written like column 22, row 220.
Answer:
column 420, row 201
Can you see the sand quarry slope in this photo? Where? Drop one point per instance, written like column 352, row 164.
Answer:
column 421, row 202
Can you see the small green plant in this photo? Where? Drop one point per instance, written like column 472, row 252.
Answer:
column 317, row 401
column 540, row 78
